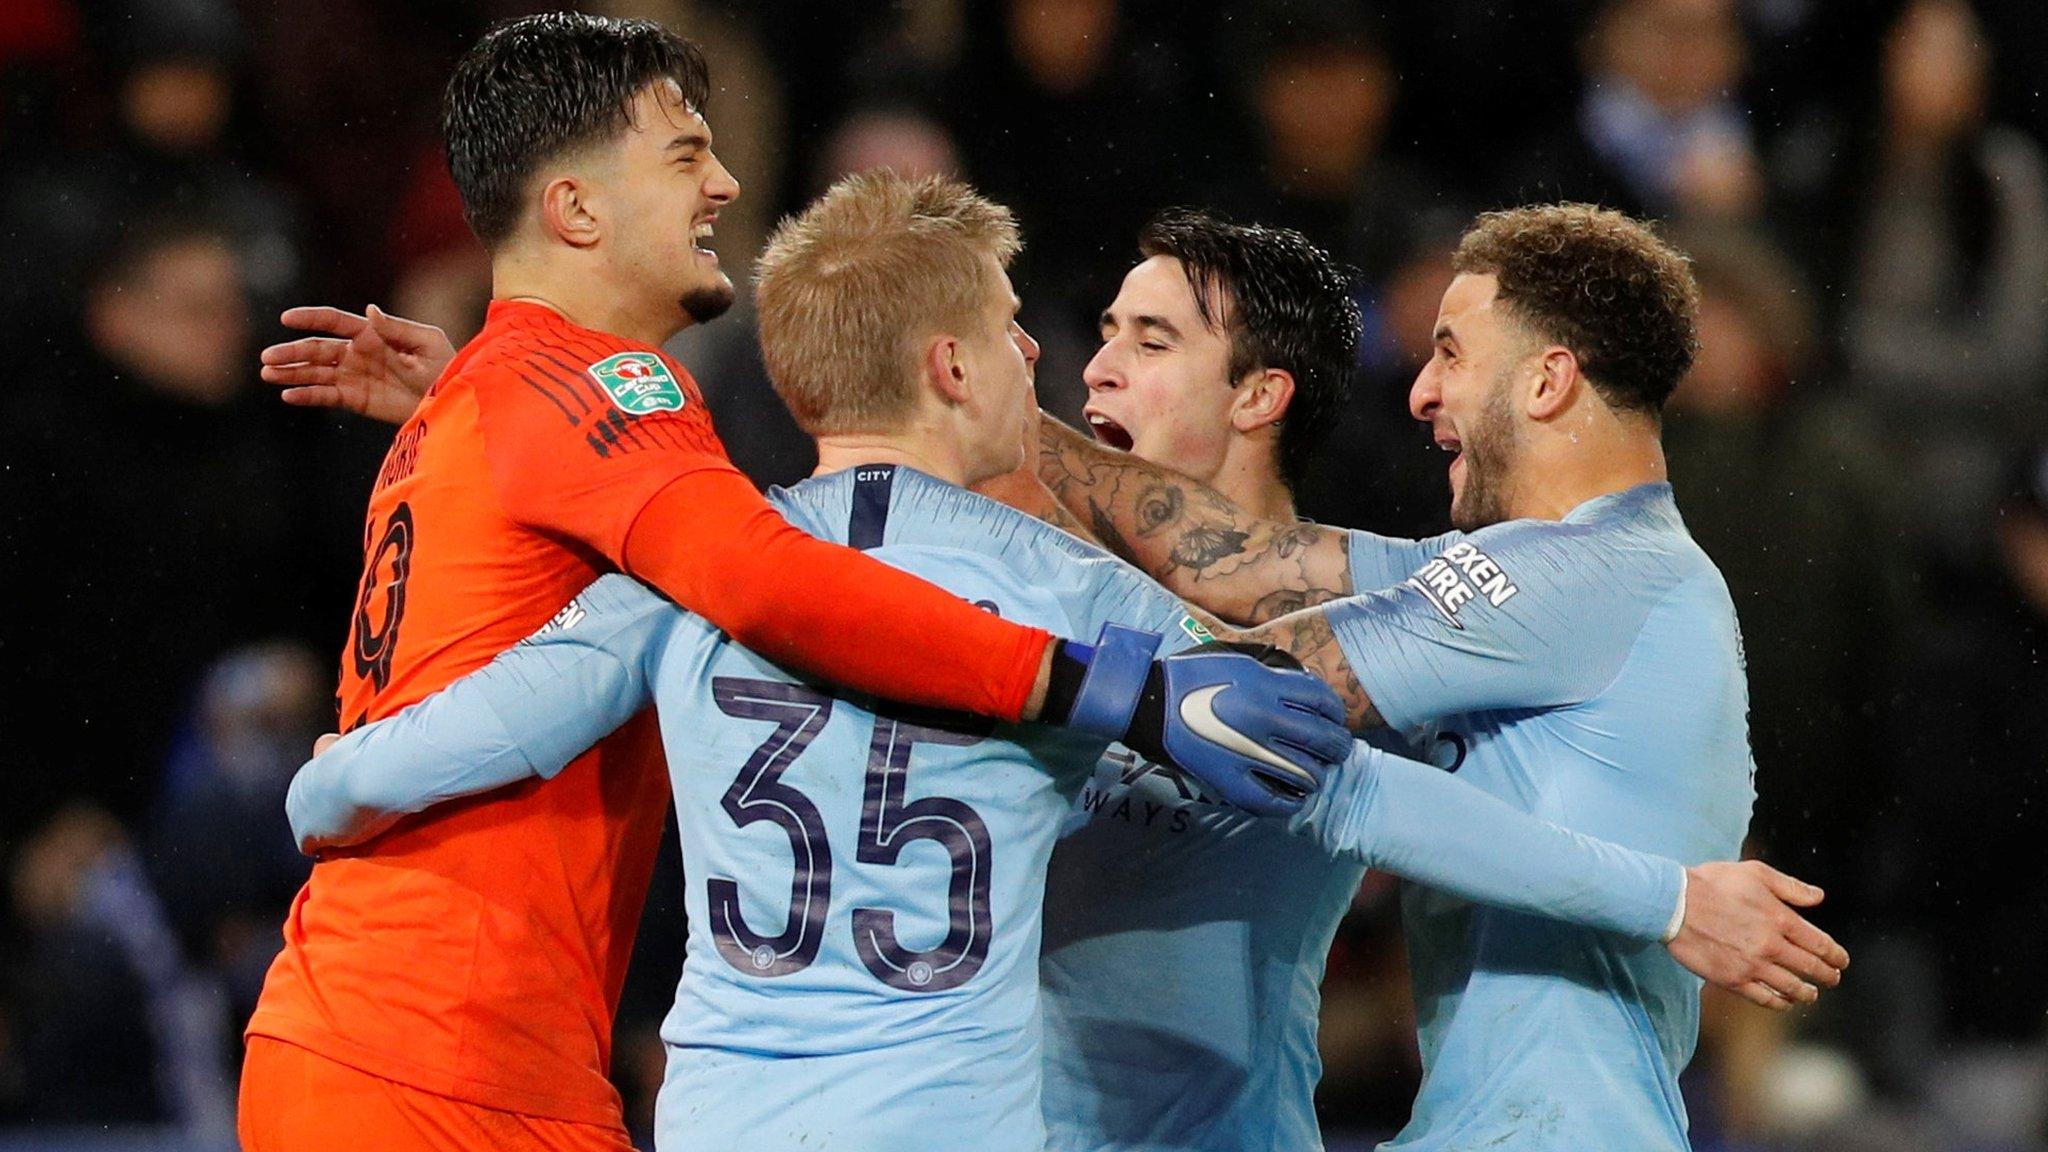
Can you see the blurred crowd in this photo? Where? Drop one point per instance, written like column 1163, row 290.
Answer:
column 1861, row 184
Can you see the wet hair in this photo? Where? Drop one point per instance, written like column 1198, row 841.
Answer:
column 1601, row 284
column 541, row 87
column 1282, row 302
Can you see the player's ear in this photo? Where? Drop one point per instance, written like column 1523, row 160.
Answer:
column 944, row 368
column 566, row 211
column 1553, row 382
column 1263, row 397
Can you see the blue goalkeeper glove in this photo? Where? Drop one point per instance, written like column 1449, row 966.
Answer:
column 1245, row 720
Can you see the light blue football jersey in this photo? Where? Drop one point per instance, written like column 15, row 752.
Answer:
column 1182, row 970
column 1185, row 940
column 1589, row 672
column 865, row 885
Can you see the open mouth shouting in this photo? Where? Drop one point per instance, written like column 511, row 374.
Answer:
column 1108, row 432
column 700, row 237
column 1453, row 445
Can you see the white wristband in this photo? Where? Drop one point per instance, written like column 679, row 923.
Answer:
column 1677, row 914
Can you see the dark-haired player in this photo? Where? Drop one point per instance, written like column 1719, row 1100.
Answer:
column 1227, row 350
column 1570, row 649
column 453, row 984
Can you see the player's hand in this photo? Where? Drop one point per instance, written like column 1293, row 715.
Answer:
column 1740, row 933
column 376, row 365
column 1244, row 720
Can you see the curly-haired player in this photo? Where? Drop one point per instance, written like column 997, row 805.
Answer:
column 1570, row 649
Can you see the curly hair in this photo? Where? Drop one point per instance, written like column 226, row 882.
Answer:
column 1601, row 284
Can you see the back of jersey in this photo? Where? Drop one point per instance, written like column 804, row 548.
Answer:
column 865, row 883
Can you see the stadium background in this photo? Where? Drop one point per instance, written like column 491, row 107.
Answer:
column 1862, row 186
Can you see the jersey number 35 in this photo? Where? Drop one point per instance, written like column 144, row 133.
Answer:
column 888, row 822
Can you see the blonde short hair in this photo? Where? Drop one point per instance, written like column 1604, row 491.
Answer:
column 849, row 288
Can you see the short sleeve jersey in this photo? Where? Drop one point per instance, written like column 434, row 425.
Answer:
column 477, row 951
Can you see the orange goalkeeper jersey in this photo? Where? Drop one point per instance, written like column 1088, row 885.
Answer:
column 478, row 950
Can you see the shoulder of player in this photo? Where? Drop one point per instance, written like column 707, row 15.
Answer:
column 926, row 509
column 1585, row 545
column 991, row 581
column 1546, row 542
column 1524, row 535
column 572, row 363
column 1076, row 590
column 942, row 517
column 1551, row 567
column 933, row 523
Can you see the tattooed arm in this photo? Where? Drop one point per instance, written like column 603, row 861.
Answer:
column 1224, row 563
column 1025, row 492
column 1188, row 536
column 1308, row 637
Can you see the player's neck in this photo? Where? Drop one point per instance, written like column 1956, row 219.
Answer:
column 838, row 453
column 586, row 300
column 1254, row 485
column 1574, row 472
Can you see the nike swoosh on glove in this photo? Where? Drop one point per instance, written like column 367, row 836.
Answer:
column 1244, row 720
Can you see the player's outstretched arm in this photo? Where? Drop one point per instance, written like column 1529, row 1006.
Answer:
column 1515, row 616
column 653, row 493
column 526, row 714
column 376, row 365
column 1740, row 932
column 1731, row 924
column 1188, row 536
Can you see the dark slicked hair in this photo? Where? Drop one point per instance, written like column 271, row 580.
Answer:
column 1284, row 303
column 539, row 87
column 1600, row 283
